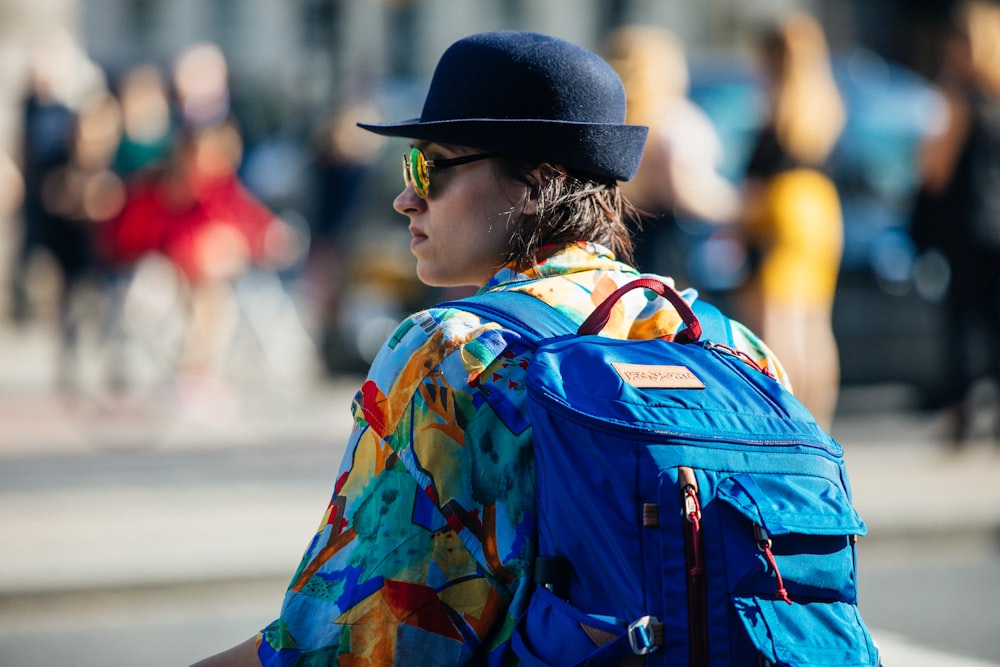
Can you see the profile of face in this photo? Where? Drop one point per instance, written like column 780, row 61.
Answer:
column 461, row 230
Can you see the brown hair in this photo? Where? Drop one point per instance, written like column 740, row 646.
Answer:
column 653, row 68
column 806, row 106
column 570, row 207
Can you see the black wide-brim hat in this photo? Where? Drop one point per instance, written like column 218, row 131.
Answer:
column 529, row 96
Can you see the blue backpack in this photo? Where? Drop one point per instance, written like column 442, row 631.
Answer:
column 690, row 510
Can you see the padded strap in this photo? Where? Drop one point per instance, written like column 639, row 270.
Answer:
column 532, row 317
column 519, row 311
column 714, row 325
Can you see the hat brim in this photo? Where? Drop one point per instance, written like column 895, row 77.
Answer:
column 607, row 150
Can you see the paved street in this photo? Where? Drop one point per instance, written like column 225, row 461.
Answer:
column 154, row 531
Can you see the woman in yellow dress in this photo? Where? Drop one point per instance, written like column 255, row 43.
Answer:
column 793, row 220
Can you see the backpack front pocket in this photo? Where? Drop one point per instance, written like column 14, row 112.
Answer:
column 799, row 528
column 811, row 633
column 790, row 558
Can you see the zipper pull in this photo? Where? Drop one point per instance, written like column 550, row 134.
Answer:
column 742, row 356
column 764, row 544
column 689, row 491
column 692, row 510
column 694, row 560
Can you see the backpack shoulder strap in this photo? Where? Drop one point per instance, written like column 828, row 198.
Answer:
column 714, row 325
column 532, row 317
column 519, row 311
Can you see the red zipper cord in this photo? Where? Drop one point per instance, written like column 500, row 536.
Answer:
column 693, row 515
column 697, row 603
column 745, row 358
column 764, row 544
column 692, row 507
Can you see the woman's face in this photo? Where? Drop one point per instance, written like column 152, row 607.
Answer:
column 461, row 231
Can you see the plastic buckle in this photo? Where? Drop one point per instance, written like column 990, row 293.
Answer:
column 640, row 635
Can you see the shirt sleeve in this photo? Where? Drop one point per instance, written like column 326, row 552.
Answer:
column 748, row 342
column 425, row 545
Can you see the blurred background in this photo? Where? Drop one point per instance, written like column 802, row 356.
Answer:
column 296, row 76
column 199, row 258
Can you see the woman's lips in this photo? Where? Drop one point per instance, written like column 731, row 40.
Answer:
column 418, row 237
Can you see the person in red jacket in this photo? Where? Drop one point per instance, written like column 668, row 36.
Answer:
column 197, row 213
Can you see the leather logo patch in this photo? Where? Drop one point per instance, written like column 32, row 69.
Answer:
column 658, row 377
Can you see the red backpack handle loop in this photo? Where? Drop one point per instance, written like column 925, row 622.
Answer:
column 599, row 318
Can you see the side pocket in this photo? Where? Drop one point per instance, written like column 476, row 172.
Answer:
column 553, row 632
column 808, row 527
column 791, row 567
column 811, row 633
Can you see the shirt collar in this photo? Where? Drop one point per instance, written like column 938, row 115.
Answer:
column 558, row 261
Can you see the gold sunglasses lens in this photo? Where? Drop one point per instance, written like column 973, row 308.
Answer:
column 415, row 172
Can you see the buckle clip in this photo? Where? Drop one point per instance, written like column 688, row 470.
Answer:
column 640, row 635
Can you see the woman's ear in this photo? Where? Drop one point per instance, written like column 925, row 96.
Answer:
column 529, row 198
column 534, row 179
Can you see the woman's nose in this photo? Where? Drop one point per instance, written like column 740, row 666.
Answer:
column 407, row 202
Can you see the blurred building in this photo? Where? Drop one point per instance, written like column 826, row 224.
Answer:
column 315, row 48
column 307, row 51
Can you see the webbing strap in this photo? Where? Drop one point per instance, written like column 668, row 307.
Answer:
column 624, row 646
column 650, row 515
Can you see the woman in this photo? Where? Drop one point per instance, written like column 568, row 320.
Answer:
column 793, row 216
column 957, row 211
column 510, row 184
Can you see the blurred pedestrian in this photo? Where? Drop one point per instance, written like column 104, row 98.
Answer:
column 71, row 128
column 147, row 121
column 200, row 80
column 123, row 242
column 793, row 220
column 48, row 125
column 678, row 176
column 425, row 554
column 344, row 161
column 197, row 213
column 187, row 203
column 82, row 195
column 957, row 209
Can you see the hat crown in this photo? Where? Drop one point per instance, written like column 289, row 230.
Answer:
column 513, row 75
column 530, row 96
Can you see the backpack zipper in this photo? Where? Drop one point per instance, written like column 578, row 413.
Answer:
column 697, row 585
column 831, row 449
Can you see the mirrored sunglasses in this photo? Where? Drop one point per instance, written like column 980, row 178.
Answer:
column 417, row 168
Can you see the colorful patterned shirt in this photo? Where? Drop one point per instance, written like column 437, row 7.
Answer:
column 423, row 554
